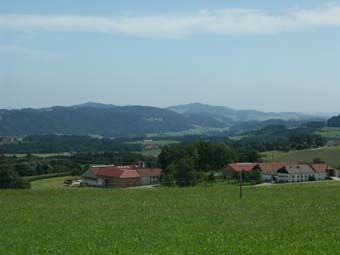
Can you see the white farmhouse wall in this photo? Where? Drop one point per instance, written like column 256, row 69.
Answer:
column 99, row 182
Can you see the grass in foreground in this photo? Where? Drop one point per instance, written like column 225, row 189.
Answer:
column 286, row 219
column 331, row 155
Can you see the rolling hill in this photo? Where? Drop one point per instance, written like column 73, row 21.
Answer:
column 112, row 121
column 238, row 115
column 126, row 121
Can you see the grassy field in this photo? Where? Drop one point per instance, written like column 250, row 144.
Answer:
column 330, row 155
column 152, row 148
column 330, row 133
column 154, row 142
column 284, row 219
column 51, row 183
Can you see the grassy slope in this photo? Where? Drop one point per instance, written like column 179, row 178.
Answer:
column 153, row 152
column 51, row 183
column 331, row 155
column 330, row 133
column 287, row 219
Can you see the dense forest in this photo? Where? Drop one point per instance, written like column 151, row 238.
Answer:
column 67, row 143
column 334, row 122
column 281, row 138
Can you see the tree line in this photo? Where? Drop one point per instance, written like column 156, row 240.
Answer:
column 189, row 164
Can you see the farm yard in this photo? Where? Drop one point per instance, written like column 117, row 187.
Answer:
column 279, row 219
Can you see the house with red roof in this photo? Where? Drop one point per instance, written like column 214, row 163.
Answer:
column 234, row 168
column 121, row 176
column 285, row 172
column 270, row 170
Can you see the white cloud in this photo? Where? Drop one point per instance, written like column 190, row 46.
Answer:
column 221, row 22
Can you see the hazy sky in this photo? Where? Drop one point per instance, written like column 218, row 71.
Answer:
column 265, row 55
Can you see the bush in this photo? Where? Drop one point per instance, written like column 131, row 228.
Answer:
column 9, row 179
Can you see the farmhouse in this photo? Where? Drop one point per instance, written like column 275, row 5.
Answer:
column 234, row 168
column 269, row 170
column 121, row 176
column 295, row 173
column 285, row 172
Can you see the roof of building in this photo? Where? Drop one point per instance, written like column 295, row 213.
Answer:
column 115, row 171
column 129, row 171
column 299, row 169
column 271, row 167
column 149, row 172
column 247, row 167
column 320, row 168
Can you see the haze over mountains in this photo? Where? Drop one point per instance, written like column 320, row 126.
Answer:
column 124, row 121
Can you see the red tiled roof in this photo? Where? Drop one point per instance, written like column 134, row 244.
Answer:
column 271, row 167
column 247, row 167
column 115, row 171
column 320, row 168
column 130, row 174
column 149, row 172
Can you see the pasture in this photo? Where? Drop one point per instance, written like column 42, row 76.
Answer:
column 282, row 219
column 330, row 133
column 331, row 155
column 50, row 183
column 152, row 148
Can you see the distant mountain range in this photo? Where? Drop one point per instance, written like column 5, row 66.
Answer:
column 125, row 121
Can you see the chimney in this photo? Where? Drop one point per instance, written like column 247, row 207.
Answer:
column 141, row 164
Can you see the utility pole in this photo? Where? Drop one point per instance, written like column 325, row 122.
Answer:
column 241, row 191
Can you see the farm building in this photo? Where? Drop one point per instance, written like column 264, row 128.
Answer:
column 121, row 176
column 234, row 168
column 295, row 173
column 285, row 172
column 149, row 176
column 269, row 170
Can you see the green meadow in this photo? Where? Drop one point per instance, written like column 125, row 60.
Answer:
column 330, row 133
column 282, row 219
column 331, row 155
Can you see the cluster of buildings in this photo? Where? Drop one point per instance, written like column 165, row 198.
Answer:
column 121, row 176
column 137, row 175
column 285, row 172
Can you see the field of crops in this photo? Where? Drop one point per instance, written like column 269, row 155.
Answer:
column 287, row 219
column 331, row 155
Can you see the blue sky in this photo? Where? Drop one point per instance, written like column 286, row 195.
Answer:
column 261, row 55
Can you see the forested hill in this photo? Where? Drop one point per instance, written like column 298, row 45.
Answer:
column 126, row 121
column 110, row 121
column 334, row 122
column 238, row 115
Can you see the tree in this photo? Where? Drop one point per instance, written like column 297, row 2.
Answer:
column 10, row 179
column 317, row 160
column 24, row 169
column 255, row 176
column 186, row 172
column 168, row 175
column 211, row 177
